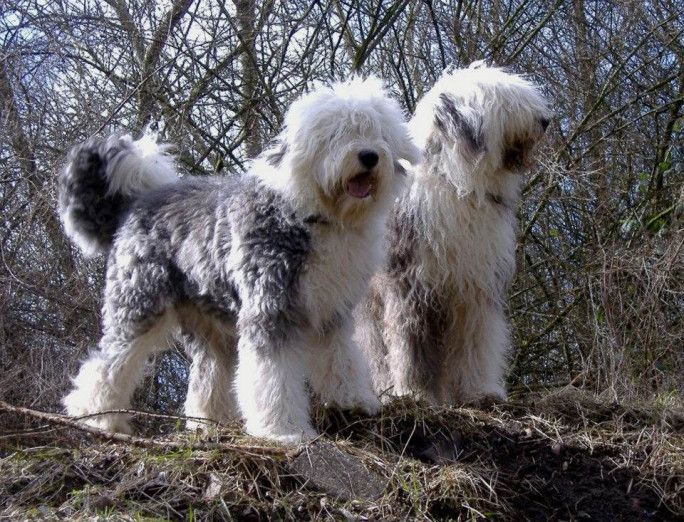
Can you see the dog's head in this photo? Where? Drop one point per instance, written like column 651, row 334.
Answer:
column 482, row 120
column 340, row 149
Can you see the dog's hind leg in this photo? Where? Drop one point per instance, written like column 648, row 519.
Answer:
column 211, row 345
column 413, row 323
column 108, row 377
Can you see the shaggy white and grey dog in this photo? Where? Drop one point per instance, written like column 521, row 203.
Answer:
column 434, row 323
column 258, row 274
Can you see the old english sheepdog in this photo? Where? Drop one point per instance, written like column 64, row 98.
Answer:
column 257, row 274
column 434, row 323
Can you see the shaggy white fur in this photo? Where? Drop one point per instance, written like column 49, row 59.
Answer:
column 104, row 380
column 321, row 149
column 257, row 274
column 325, row 131
column 434, row 323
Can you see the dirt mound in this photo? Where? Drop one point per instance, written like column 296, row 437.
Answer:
column 517, row 461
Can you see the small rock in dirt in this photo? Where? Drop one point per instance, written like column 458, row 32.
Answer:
column 99, row 502
column 443, row 449
column 337, row 473
column 213, row 488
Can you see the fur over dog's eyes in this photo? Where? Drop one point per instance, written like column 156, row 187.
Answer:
column 453, row 121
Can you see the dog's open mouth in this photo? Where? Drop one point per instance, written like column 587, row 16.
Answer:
column 360, row 186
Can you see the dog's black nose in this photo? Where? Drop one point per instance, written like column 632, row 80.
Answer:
column 544, row 123
column 368, row 158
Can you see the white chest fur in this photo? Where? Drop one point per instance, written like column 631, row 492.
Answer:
column 467, row 243
column 337, row 274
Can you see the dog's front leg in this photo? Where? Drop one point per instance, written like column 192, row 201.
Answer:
column 270, row 385
column 477, row 362
column 339, row 373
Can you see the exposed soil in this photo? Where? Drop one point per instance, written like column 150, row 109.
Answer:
column 515, row 462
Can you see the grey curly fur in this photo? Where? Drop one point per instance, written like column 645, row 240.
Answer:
column 83, row 192
column 257, row 274
column 173, row 249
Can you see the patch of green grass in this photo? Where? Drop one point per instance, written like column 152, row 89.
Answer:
column 525, row 459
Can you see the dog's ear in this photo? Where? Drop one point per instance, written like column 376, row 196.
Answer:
column 408, row 149
column 395, row 131
column 459, row 124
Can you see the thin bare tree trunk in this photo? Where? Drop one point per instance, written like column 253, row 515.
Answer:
column 246, row 19
column 148, row 71
column 21, row 145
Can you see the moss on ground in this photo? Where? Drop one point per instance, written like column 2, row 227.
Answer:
column 564, row 456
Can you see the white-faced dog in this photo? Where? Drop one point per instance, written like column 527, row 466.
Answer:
column 258, row 274
column 434, row 322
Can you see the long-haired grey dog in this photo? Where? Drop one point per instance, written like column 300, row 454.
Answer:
column 434, row 323
column 261, row 271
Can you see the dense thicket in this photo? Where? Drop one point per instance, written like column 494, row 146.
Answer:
column 599, row 296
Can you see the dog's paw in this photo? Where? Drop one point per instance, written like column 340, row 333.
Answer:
column 487, row 401
column 113, row 423
column 293, row 439
column 201, row 426
column 387, row 398
column 284, row 435
column 370, row 405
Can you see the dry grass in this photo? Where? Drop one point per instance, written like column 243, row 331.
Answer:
column 565, row 456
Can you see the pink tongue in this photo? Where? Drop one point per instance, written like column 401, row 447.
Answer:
column 359, row 187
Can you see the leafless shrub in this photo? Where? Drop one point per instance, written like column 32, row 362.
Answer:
column 598, row 298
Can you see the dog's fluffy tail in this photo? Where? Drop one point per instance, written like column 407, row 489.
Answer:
column 101, row 180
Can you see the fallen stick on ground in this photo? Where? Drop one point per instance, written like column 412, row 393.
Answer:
column 145, row 442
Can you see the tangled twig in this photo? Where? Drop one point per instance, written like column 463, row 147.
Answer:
column 61, row 420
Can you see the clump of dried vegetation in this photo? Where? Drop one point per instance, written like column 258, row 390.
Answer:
column 598, row 301
column 565, row 455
